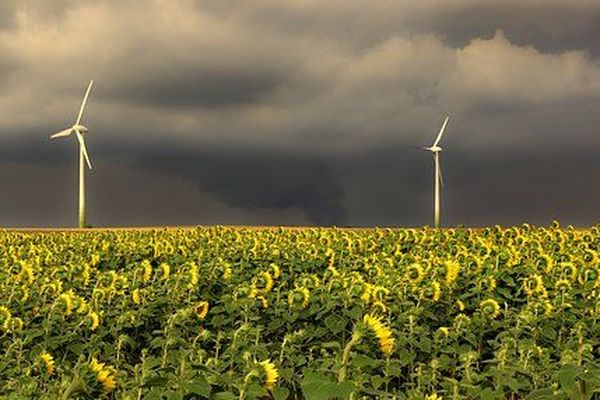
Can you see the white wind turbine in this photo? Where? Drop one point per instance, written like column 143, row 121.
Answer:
column 79, row 131
column 437, row 177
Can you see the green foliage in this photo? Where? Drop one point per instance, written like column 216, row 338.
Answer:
column 220, row 313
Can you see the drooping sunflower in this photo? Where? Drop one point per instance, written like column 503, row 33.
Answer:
column 146, row 271
column 490, row 308
column 452, row 270
column 415, row 274
column 533, row 285
column 94, row 320
column 562, row 285
column 300, row 298
column 4, row 318
column 382, row 332
column 264, row 282
column 270, row 374
column 136, row 297
column 104, row 375
column 67, row 299
column 166, row 271
column 48, row 362
column 432, row 292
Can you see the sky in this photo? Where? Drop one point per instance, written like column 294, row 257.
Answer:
column 301, row 112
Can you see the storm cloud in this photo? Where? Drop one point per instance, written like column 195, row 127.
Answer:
column 301, row 112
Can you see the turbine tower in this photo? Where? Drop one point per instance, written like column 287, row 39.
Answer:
column 80, row 131
column 437, row 177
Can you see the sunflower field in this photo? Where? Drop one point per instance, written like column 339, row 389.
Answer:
column 311, row 313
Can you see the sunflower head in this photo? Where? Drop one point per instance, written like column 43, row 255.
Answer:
column 94, row 320
column 5, row 317
column 105, row 375
column 415, row 274
column 136, row 297
column 563, row 285
column 48, row 362
column 490, row 308
column 432, row 292
column 452, row 268
column 166, row 271
column 270, row 374
column 382, row 332
column 201, row 310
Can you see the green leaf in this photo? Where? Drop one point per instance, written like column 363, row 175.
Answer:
column 361, row 361
column 156, row 381
column 199, row 386
column 336, row 323
column 281, row 393
column 317, row 386
column 224, row 396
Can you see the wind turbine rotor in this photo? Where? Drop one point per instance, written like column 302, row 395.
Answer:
column 66, row 132
column 87, row 93
column 83, row 148
column 439, row 136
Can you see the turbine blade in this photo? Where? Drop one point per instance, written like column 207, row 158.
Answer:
column 439, row 137
column 66, row 132
column 87, row 93
column 440, row 176
column 82, row 145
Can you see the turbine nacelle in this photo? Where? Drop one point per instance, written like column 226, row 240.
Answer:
column 80, row 128
column 433, row 149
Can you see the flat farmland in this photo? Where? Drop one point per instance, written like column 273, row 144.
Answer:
column 300, row 313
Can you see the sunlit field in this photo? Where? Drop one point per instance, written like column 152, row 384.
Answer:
column 307, row 313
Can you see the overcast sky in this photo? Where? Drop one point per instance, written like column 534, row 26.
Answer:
column 301, row 111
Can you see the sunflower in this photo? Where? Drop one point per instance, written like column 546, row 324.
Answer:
column 166, row 271
column 490, row 308
column 300, row 296
column 266, row 282
column 16, row 324
column 452, row 270
column 4, row 318
column 135, row 296
column 67, row 299
column 489, row 283
column 94, row 319
column 193, row 275
column 270, row 372
column 146, row 271
column 202, row 310
column 533, row 285
column 48, row 361
column 569, row 270
column 383, row 333
column 104, row 375
column 432, row 292
column 415, row 274
column 562, row 285
column 276, row 270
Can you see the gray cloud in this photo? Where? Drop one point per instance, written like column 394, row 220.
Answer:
column 250, row 181
column 283, row 108
column 215, row 86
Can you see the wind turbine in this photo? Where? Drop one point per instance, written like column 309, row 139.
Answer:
column 437, row 177
column 80, row 131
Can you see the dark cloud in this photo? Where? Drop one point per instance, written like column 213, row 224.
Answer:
column 393, row 187
column 264, row 180
column 552, row 27
column 217, row 86
column 300, row 111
